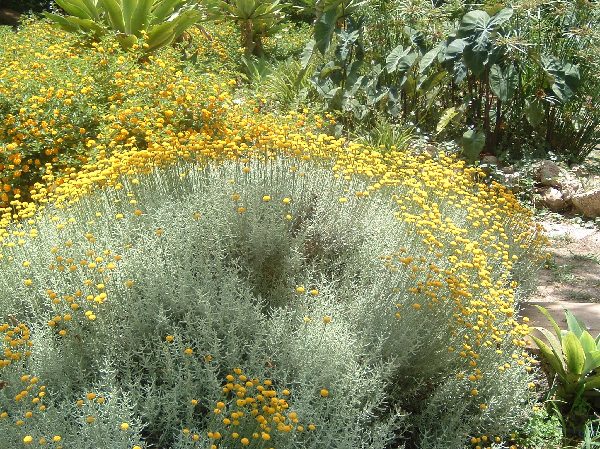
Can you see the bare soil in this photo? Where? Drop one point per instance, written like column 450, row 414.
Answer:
column 572, row 279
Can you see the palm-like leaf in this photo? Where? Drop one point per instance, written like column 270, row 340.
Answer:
column 162, row 20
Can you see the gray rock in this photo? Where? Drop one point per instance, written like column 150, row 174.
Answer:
column 553, row 199
column 569, row 186
column 511, row 180
column 550, row 174
column 587, row 203
column 490, row 160
column 547, row 173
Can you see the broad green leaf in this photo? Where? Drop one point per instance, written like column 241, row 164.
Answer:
column 574, row 355
column 475, row 60
column 445, row 119
column 474, row 21
column 88, row 25
column 428, row 58
column 501, row 17
column 550, row 356
column 128, row 7
column 587, row 342
column 534, row 111
column 75, row 8
column 503, row 82
column 455, row 49
column 592, row 382
column 400, row 59
column 185, row 20
column 563, row 79
column 141, row 16
column 307, row 53
column 91, row 7
column 544, row 312
column 115, row 14
column 345, row 42
column 592, row 362
column 426, row 83
column 473, row 142
column 126, row 41
column 163, row 9
column 62, row 22
column 459, row 72
column 575, row 324
column 160, row 35
column 554, row 342
column 324, row 30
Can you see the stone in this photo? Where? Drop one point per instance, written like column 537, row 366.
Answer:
column 553, row 199
column 490, row 160
column 511, row 180
column 547, row 173
column 569, row 186
column 587, row 203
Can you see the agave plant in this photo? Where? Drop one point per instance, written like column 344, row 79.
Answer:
column 574, row 356
column 159, row 22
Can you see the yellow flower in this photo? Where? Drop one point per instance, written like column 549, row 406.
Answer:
column 266, row 198
column 324, row 393
column 27, row 439
column 188, row 351
column 327, row 319
column 124, row 426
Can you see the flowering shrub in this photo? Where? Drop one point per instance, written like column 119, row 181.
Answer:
column 212, row 278
column 62, row 104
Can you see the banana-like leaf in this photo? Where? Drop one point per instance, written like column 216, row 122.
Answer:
column 115, row 14
column 141, row 16
column 574, row 355
column 544, row 312
column 550, row 356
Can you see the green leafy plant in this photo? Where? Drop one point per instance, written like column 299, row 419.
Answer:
column 159, row 22
column 574, row 356
column 256, row 19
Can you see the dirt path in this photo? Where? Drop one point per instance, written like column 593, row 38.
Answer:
column 572, row 281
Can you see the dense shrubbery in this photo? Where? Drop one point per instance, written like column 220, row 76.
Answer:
column 513, row 81
column 191, row 272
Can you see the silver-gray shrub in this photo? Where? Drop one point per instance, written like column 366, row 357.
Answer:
column 223, row 282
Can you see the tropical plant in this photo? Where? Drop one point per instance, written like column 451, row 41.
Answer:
column 158, row 22
column 256, row 19
column 574, row 357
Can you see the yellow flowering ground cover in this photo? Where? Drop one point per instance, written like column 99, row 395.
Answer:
column 181, row 271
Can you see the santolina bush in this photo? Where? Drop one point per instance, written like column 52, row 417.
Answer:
column 203, row 304
column 214, row 278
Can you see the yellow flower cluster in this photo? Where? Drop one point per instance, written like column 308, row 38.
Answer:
column 64, row 104
column 15, row 343
column 253, row 411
